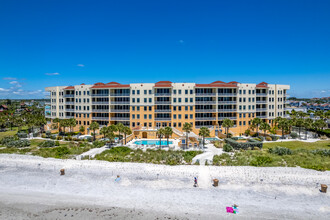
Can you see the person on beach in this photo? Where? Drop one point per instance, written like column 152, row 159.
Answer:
column 195, row 182
column 117, row 179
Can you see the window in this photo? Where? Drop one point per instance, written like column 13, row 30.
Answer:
column 179, row 91
column 138, row 100
column 150, row 100
column 191, row 116
column 150, row 92
column 186, row 116
column 133, row 92
column 145, row 108
column 174, row 91
column 138, row 92
column 138, row 108
column 186, row 92
column 138, row 116
column 145, row 99
column 150, row 117
column 174, row 99
column 150, row 108
column 145, row 116
column 191, row 108
column 179, row 98
column 174, row 108
column 186, row 100
column 145, row 92
column 133, row 116
column 174, row 116
column 191, row 100
column 133, row 100
column 133, row 108
column 179, row 116
column 191, row 92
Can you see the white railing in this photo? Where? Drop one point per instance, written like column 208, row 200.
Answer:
column 163, row 119
column 222, row 118
column 226, row 102
column 69, row 110
column 205, row 110
column 205, row 118
column 119, row 102
column 227, row 94
column 119, row 94
column 205, row 94
column 227, row 110
column 180, row 133
column 69, row 103
column 100, row 118
column 119, row 110
column 162, row 110
column 162, row 102
column 68, row 95
column 261, row 109
column 95, row 95
column 100, row 110
column 162, row 94
column 261, row 94
column 206, row 102
column 100, row 103
column 119, row 119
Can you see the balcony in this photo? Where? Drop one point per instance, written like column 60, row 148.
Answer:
column 205, row 118
column 205, row 102
column 206, row 110
column 227, row 110
column 119, row 119
column 162, row 102
column 261, row 109
column 69, row 103
column 261, row 94
column 100, row 110
column 100, row 103
column 162, row 110
column 99, row 95
column 261, row 102
column 69, row 110
column 163, row 94
column 119, row 102
column 231, row 118
column 101, row 118
column 119, row 94
column 226, row 102
column 206, row 126
column 68, row 95
column 261, row 116
column 163, row 119
column 119, row 110
column 205, row 94
column 227, row 94
column 68, row 117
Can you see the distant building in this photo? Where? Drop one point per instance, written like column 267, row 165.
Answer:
column 3, row 108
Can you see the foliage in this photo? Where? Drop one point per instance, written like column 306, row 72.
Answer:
column 227, row 148
column 274, row 137
column 57, row 143
column 294, row 135
column 98, row 144
column 18, row 143
column 280, row 151
column 22, row 135
column 268, row 138
column 322, row 152
column 261, row 161
column 8, row 139
column 243, row 145
column 47, row 143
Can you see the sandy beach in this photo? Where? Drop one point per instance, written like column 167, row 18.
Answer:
column 32, row 188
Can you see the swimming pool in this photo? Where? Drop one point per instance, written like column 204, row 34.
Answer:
column 212, row 139
column 151, row 142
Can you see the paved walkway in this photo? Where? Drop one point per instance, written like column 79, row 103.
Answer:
column 91, row 153
column 209, row 152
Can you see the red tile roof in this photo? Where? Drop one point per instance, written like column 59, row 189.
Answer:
column 69, row 88
column 262, row 85
column 109, row 85
column 217, row 85
column 163, row 84
column 217, row 82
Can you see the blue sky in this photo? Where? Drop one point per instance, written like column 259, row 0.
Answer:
column 48, row 43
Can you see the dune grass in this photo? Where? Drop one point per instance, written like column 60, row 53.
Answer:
column 294, row 145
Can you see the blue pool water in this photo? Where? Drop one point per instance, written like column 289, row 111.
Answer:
column 212, row 139
column 150, row 142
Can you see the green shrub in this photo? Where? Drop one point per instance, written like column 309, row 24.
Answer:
column 322, row 152
column 189, row 155
column 59, row 138
column 8, row 139
column 98, row 144
column 57, row 143
column 243, row 145
column 22, row 135
column 262, row 138
column 47, row 143
column 261, row 161
column 227, row 148
column 61, row 151
column 19, row 143
column 274, row 137
column 48, row 134
column 268, row 138
column 294, row 135
column 280, row 151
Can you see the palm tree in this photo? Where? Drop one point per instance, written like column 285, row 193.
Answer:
column 104, row 130
column 204, row 132
column 299, row 124
column 94, row 126
column 111, row 135
column 160, row 133
column 264, row 127
column 168, row 132
column 227, row 123
column 284, row 125
column 276, row 120
column 72, row 123
column 57, row 121
column 120, row 128
column 255, row 123
column 308, row 122
column 127, row 131
column 82, row 129
column 187, row 127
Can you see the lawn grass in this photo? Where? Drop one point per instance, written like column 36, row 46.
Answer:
column 294, row 145
column 301, row 156
column 11, row 132
column 125, row 154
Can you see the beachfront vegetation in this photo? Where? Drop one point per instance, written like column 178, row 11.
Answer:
column 125, row 154
column 286, row 154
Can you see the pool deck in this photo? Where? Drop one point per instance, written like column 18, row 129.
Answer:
column 173, row 146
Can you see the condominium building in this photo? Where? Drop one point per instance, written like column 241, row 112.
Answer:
column 145, row 107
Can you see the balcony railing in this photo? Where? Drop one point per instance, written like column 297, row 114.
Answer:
column 163, row 119
column 68, row 117
column 261, row 109
column 100, row 118
column 261, row 94
column 119, row 110
column 100, row 103
column 69, row 103
column 227, row 102
column 163, row 94
column 261, row 116
column 119, row 119
column 206, row 102
column 227, row 110
column 119, row 102
column 119, row 94
column 69, row 110
column 205, row 118
column 100, row 110
column 261, row 102
column 206, row 126
column 162, row 102
column 205, row 94
column 227, row 94
column 102, row 95
column 206, row 110
column 231, row 118
column 68, row 95
column 162, row 110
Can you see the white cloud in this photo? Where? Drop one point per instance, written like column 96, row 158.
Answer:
column 4, row 90
column 52, row 74
column 13, row 82
column 81, row 65
column 9, row 78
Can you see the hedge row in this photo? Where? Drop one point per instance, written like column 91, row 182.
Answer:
column 243, row 145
